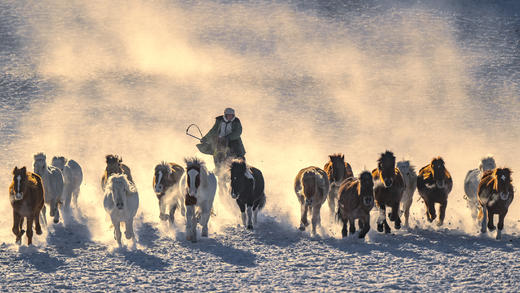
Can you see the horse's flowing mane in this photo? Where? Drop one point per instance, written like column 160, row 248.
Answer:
column 121, row 178
column 40, row 156
column 427, row 171
column 487, row 161
column 163, row 166
column 384, row 155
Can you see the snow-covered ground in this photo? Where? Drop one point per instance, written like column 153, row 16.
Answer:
column 86, row 79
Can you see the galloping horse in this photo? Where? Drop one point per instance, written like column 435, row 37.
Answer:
column 165, row 180
column 26, row 195
column 434, row 183
column 311, row 187
column 472, row 181
column 247, row 188
column 410, row 184
column 198, row 186
column 356, row 199
column 121, row 203
column 495, row 194
column 115, row 166
column 337, row 170
column 72, row 178
column 52, row 179
column 388, row 190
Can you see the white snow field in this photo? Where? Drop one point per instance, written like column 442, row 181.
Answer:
column 84, row 79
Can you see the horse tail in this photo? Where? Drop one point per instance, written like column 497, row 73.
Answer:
column 261, row 203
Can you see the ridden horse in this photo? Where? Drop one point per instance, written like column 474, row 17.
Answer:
column 434, row 183
column 472, row 181
column 165, row 180
column 311, row 187
column 198, row 186
column 388, row 190
column 410, row 184
column 337, row 170
column 121, row 203
column 72, row 178
column 52, row 179
column 247, row 188
column 115, row 166
column 26, row 195
column 495, row 194
column 356, row 199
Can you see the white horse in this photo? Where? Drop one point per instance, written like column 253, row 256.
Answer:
column 121, row 203
column 472, row 181
column 53, row 185
column 198, row 186
column 72, row 178
column 410, row 184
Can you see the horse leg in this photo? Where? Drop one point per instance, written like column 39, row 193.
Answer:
column 483, row 227
column 501, row 217
column 366, row 226
column 17, row 227
column 204, row 219
column 129, row 228
column 442, row 212
column 249, row 217
column 43, row 216
column 490, row 224
column 29, row 230
column 172, row 214
column 68, row 195
column 304, row 222
column 37, row 225
column 162, row 209
column 395, row 216
column 331, row 201
column 406, row 207
column 316, row 218
column 352, row 226
column 430, row 210
column 57, row 214
column 75, row 195
column 382, row 218
column 117, row 232
column 344, row 230
column 191, row 224
column 242, row 207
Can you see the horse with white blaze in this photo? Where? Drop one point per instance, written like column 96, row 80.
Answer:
column 199, row 187
column 247, row 188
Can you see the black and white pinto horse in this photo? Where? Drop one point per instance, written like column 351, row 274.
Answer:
column 247, row 188
column 166, row 178
column 198, row 186
column 472, row 181
column 388, row 190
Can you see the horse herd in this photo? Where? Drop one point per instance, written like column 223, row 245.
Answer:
column 191, row 189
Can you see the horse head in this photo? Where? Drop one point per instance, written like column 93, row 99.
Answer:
column 59, row 162
column 487, row 163
column 120, row 189
column 162, row 172
column 366, row 188
column 193, row 170
column 386, row 167
column 40, row 163
column 502, row 182
column 439, row 172
column 338, row 167
column 19, row 182
column 405, row 167
column 113, row 164
column 309, row 186
column 238, row 171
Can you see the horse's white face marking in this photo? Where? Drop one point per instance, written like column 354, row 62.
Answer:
column 192, row 176
column 118, row 193
column 18, row 195
column 503, row 177
column 158, row 185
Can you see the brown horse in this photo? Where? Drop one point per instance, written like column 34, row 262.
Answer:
column 337, row 170
column 27, row 198
column 356, row 199
column 434, row 183
column 388, row 190
column 115, row 166
column 165, row 181
column 311, row 187
column 495, row 194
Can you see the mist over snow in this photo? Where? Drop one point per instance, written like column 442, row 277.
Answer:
column 84, row 79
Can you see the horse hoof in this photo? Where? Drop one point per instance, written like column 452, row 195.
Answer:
column 440, row 223
column 18, row 241
column 249, row 227
column 39, row 231
column 163, row 217
column 56, row 221
column 128, row 235
column 397, row 226
column 492, row 228
column 301, row 228
column 380, row 227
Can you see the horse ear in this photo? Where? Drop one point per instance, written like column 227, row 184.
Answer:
column 15, row 170
column 330, row 157
column 120, row 159
column 24, row 170
column 343, row 157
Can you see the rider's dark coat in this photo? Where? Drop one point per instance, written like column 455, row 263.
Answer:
column 207, row 145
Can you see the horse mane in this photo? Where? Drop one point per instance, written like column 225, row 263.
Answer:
column 40, row 156
column 113, row 158
column 116, row 176
column 427, row 171
column 488, row 159
column 237, row 162
column 194, row 162
column 163, row 165
column 384, row 155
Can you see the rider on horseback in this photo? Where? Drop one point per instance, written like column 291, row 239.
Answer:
column 223, row 140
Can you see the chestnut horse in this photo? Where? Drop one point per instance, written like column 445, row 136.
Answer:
column 388, row 190
column 434, row 183
column 356, row 199
column 311, row 187
column 115, row 166
column 337, row 170
column 165, row 185
column 26, row 195
column 495, row 194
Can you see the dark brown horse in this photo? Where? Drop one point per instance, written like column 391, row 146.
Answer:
column 337, row 170
column 165, row 181
column 356, row 199
column 115, row 166
column 495, row 194
column 434, row 183
column 27, row 198
column 388, row 190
